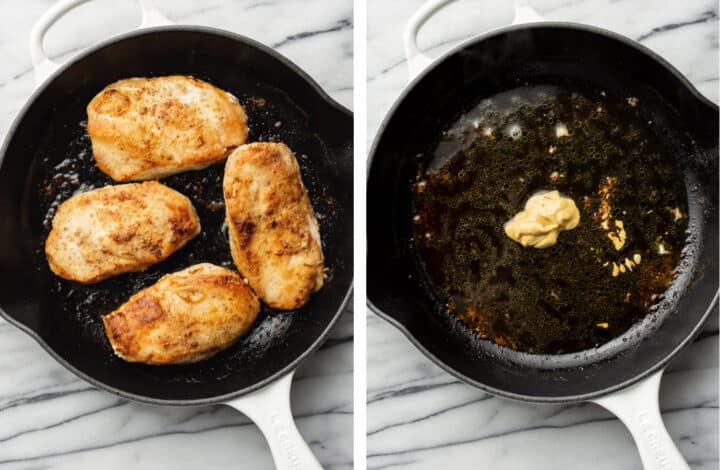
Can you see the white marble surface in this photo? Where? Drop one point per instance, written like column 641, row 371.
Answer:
column 419, row 417
column 49, row 418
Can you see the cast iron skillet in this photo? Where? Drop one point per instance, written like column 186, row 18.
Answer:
column 47, row 156
column 541, row 52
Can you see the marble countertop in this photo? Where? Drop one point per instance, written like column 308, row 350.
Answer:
column 51, row 419
column 420, row 417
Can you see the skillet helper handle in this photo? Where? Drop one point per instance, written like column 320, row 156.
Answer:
column 638, row 408
column 269, row 408
column 43, row 66
column 417, row 61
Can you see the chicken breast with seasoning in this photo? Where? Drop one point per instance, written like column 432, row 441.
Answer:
column 184, row 317
column 274, row 236
column 150, row 128
column 118, row 229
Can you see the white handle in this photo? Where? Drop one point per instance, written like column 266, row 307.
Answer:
column 42, row 64
column 417, row 61
column 637, row 406
column 269, row 408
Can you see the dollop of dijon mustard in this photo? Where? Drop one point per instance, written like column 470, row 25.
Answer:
column 544, row 217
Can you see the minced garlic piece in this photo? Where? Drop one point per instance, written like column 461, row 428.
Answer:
column 618, row 238
column 604, row 212
column 561, row 130
column 676, row 213
column 544, row 217
column 626, row 265
column 603, row 324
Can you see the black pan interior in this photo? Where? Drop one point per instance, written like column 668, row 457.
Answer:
column 49, row 157
column 541, row 54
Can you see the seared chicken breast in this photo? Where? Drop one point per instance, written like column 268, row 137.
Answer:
column 150, row 128
column 118, row 229
column 184, row 317
column 274, row 236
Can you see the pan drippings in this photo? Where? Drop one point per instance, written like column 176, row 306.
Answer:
column 600, row 277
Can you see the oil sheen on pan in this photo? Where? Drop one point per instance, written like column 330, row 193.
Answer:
column 600, row 277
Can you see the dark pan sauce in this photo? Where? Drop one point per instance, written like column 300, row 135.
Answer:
column 565, row 298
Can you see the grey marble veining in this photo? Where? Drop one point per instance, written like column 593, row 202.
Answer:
column 420, row 417
column 51, row 419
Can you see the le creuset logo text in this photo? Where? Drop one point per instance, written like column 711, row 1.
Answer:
column 652, row 436
column 285, row 441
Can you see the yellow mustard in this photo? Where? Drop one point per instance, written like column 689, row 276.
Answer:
column 544, row 217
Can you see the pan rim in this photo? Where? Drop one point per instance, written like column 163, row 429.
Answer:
column 40, row 89
column 549, row 400
column 580, row 27
column 414, row 81
column 216, row 399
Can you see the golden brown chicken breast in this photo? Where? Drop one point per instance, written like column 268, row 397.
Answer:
column 150, row 128
column 184, row 317
column 118, row 229
column 274, row 236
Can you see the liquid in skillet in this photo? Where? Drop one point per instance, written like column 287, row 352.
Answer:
column 602, row 276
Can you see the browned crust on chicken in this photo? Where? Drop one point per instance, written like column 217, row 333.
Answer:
column 184, row 317
column 150, row 128
column 118, row 229
column 274, row 235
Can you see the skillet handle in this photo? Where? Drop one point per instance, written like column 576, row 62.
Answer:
column 269, row 408
column 417, row 61
column 43, row 66
column 637, row 406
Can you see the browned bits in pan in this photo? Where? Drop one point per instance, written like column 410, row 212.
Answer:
column 588, row 288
